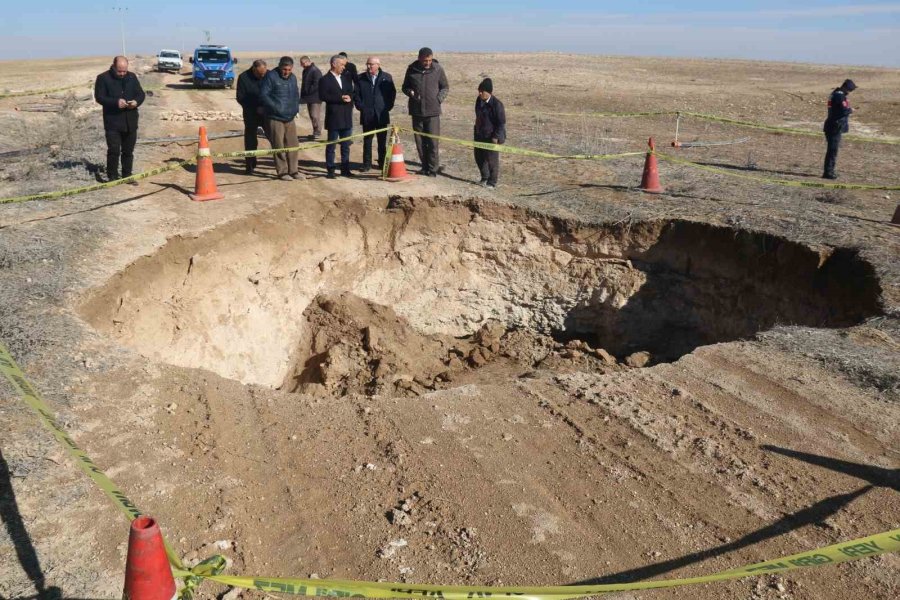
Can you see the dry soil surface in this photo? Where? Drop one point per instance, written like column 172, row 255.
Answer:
column 560, row 381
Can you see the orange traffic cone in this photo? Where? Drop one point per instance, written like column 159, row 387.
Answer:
column 148, row 575
column 205, row 184
column 650, row 179
column 896, row 219
column 397, row 170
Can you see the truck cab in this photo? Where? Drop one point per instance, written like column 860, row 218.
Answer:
column 168, row 60
column 213, row 66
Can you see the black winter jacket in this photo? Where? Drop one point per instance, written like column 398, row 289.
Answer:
column 280, row 96
column 490, row 120
column 426, row 88
column 108, row 89
column 338, row 114
column 375, row 101
column 839, row 112
column 248, row 89
column 309, row 85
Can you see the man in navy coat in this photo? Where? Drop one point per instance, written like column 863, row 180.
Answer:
column 374, row 102
column 338, row 91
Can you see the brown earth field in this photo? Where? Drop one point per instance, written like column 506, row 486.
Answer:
column 563, row 380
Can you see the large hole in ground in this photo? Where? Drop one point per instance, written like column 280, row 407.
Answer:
column 356, row 296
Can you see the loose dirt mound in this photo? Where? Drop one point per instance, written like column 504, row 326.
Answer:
column 354, row 346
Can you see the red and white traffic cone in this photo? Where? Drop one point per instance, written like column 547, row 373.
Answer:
column 397, row 170
column 148, row 575
column 650, row 179
column 205, row 183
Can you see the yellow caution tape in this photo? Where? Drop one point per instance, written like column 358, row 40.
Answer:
column 310, row 146
column 40, row 92
column 31, row 397
column 783, row 182
column 522, row 151
column 97, row 186
column 727, row 120
column 872, row 545
column 172, row 167
column 788, row 130
column 211, row 568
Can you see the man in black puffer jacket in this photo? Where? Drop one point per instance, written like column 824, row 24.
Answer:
column 426, row 85
column 280, row 95
column 248, row 85
column 119, row 92
column 490, row 128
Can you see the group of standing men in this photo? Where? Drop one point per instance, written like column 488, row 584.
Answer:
column 272, row 99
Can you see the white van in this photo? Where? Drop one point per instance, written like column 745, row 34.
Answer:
column 169, row 60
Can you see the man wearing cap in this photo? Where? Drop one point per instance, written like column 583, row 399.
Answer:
column 254, row 114
column 374, row 102
column 836, row 124
column 280, row 95
column 120, row 94
column 426, row 86
column 490, row 128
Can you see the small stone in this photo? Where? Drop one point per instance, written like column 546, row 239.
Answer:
column 223, row 544
column 232, row 594
column 399, row 518
column 638, row 360
column 171, row 408
column 455, row 364
column 476, row 358
column 370, row 467
column 605, row 356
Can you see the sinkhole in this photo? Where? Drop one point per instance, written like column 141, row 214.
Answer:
column 365, row 296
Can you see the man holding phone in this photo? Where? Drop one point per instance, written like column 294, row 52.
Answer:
column 120, row 94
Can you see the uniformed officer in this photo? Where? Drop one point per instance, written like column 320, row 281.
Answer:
column 837, row 123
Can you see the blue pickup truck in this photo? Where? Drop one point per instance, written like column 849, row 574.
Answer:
column 213, row 66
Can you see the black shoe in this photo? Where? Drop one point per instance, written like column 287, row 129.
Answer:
column 347, row 173
column 248, row 170
column 482, row 183
column 364, row 169
column 424, row 172
column 331, row 174
column 431, row 174
column 829, row 176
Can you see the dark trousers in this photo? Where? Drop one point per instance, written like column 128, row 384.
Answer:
column 120, row 143
column 834, row 143
column 336, row 134
column 427, row 148
column 367, row 146
column 252, row 121
column 488, row 162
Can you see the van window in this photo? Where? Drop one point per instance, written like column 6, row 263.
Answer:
column 214, row 56
column 169, row 54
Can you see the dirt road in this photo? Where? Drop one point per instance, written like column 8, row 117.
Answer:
column 561, row 381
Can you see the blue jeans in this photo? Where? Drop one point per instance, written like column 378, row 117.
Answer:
column 336, row 134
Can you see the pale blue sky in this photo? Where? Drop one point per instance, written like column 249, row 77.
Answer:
column 837, row 32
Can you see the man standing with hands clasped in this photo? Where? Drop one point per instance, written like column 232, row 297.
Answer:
column 338, row 92
column 119, row 92
column 280, row 94
column 374, row 102
column 426, row 85
column 490, row 128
